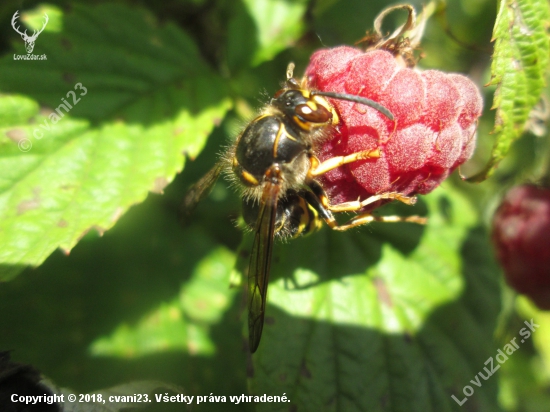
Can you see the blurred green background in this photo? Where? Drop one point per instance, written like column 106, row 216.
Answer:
column 387, row 317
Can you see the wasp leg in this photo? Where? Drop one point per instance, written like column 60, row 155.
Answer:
column 318, row 190
column 367, row 218
column 359, row 204
column 315, row 199
column 318, row 199
column 318, row 168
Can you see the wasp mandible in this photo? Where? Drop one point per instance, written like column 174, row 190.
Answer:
column 274, row 161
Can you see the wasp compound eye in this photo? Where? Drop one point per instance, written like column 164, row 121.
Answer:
column 314, row 113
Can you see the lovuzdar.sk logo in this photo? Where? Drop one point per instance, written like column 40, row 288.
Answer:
column 29, row 40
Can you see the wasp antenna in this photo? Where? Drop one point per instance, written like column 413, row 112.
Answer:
column 357, row 99
column 290, row 70
column 291, row 82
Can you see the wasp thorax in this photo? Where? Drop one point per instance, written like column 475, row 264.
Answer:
column 268, row 141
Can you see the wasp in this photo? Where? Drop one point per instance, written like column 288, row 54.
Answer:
column 274, row 163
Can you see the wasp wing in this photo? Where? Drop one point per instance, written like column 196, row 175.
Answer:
column 201, row 189
column 260, row 263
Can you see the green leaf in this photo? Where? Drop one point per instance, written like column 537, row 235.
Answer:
column 182, row 324
column 242, row 42
column 144, row 264
column 395, row 321
column 34, row 19
column 75, row 178
column 61, row 176
column 541, row 334
column 278, row 24
column 520, row 62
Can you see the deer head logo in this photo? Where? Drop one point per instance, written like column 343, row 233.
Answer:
column 29, row 40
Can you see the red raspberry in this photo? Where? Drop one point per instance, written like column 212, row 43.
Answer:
column 521, row 235
column 433, row 133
